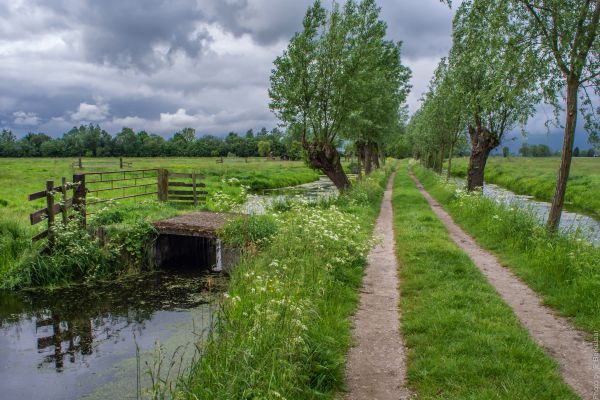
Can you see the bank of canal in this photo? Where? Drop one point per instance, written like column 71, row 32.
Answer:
column 570, row 221
column 103, row 340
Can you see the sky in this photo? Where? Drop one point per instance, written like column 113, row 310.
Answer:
column 162, row 65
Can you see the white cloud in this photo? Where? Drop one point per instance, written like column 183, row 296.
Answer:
column 25, row 118
column 90, row 112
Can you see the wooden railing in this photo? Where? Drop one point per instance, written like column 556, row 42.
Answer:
column 171, row 190
column 52, row 208
column 81, row 164
column 94, row 188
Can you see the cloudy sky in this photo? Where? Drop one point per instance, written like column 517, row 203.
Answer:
column 162, row 65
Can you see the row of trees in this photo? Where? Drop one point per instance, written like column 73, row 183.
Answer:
column 93, row 141
column 339, row 81
column 507, row 57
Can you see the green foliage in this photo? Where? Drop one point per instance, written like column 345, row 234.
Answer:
column 339, row 79
column 76, row 256
column 464, row 341
column 284, row 331
column 251, row 230
column 133, row 241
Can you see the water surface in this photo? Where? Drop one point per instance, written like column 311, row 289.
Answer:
column 83, row 341
column 569, row 222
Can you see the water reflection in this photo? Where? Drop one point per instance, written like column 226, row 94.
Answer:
column 69, row 343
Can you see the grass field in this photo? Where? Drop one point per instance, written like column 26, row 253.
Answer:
column 464, row 341
column 564, row 270
column 537, row 177
column 226, row 185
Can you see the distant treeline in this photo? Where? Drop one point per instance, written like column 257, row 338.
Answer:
column 542, row 150
column 93, row 141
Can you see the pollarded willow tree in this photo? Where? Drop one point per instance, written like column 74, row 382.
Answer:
column 438, row 126
column 564, row 34
column 338, row 58
column 379, row 88
column 495, row 73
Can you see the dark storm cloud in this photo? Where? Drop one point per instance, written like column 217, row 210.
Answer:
column 144, row 35
column 267, row 21
column 424, row 26
column 162, row 64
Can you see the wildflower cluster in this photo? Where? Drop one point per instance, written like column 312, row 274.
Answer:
column 283, row 328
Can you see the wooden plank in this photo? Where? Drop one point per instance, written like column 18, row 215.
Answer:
column 183, row 192
column 187, row 192
column 186, row 184
column 181, row 184
column 37, row 195
column 186, row 198
column 162, row 184
column 179, row 175
column 40, row 215
column 195, row 190
column 39, row 236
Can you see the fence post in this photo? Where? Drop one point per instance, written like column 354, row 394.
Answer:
column 80, row 163
column 194, row 189
column 121, row 162
column 79, row 195
column 65, row 218
column 50, row 212
column 163, row 184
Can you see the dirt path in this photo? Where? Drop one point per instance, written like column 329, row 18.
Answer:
column 376, row 365
column 555, row 334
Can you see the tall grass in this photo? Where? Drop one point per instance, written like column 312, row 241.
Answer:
column 464, row 341
column 565, row 270
column 284, row 329
column 537, row 177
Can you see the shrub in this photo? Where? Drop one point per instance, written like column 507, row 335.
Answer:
column 246, row 231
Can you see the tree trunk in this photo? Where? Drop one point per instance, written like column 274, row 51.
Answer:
column 449, row 172
column 375, row 155
column 567, row 152
column 440, row 163
column 482, row 143
column 368, row 159
column 327, row 159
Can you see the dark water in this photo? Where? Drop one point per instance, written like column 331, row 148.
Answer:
column 82, row 342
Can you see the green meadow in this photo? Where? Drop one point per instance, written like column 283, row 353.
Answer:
column 227, row 184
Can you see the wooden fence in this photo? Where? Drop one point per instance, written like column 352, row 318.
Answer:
column 81, row 164
column 94, row 188
column 170, row 189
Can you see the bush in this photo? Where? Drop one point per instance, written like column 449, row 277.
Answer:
column 247, row 231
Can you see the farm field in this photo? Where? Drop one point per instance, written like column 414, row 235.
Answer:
column 226, row 184
column 537, row 177
column 21, row 176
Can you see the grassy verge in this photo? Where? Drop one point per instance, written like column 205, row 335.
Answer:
column 564, row 270
column 537, row 177
column 464, row 341
column 284, row 329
